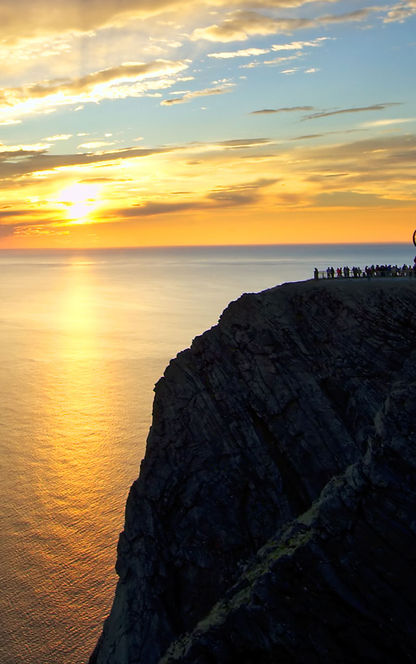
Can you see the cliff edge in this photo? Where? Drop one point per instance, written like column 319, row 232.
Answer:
column 274, row 518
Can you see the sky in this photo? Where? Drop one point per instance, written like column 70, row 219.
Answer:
column 172, row 122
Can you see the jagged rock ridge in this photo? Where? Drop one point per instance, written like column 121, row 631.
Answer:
column 274, row 516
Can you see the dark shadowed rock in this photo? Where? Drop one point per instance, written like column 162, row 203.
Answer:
column 274, row 518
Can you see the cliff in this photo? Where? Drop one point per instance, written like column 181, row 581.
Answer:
column 274, row 518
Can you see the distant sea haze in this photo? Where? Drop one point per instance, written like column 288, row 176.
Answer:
column 84, row 335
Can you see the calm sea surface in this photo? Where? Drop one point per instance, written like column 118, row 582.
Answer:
column 84, row 335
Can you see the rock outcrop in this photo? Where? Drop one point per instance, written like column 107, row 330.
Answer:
column 274, row 518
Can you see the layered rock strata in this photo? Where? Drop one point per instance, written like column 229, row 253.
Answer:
column 274, row 518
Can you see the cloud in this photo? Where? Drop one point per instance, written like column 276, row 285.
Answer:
column 59, row 137
column 35, row 20
column 261, row 183
column 17, row 163
column 18, row 151
column 387, row 122
column 299, row 45
column 373, row 172
column 400, row 12
column 356, row 109
column 242, row 53
column 41, row 30
column 307, row 137
column 365, row 160
column 284, row 109
column 198, row 93
column 355, row 199
column 268, row 4
column 350, row 17
column 241, row 25
column 325, row 133
column 383, row 147
column 378, row 168
column 4, row 214
column 245, row 193
column 152, row 208
column 93, row 145
column 285, row 58
column 132, row 79
column 44, row 17
column 275, row 61
column 243, row 142
column 26, row 221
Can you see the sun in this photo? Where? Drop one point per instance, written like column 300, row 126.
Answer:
column 79, row 200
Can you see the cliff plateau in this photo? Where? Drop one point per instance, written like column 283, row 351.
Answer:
column 274, row 518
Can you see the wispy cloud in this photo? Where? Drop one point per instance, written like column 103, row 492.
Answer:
column 242, row 53
column 305, row 137
column 95, row 145
column 388, row 122
column 354, row 199
column 206, row 92
column 283, row 58
column 300, row 45
column 356, row 109
column 59, row 137
column 284, row 109
column 245, row 193
column 272, row 63
column 15, row 163
column 20, row 160
column 244, row 142
column 382, row 165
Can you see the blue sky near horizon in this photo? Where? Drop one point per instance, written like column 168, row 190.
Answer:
column 165, row 122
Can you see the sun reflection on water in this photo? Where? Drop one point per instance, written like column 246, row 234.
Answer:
column 74, row 428
column 79, row 450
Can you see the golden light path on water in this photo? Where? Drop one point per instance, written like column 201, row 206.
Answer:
column 83, row 403
column 83, row 338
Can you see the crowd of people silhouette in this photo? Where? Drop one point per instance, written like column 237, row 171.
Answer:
column 368, row 272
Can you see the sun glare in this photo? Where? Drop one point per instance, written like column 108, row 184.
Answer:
column 79, row 200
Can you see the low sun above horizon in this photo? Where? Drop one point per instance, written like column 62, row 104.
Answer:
column 240, row 122
column 79, row 201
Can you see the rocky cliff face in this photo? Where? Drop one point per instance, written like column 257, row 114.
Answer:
column 274, row 519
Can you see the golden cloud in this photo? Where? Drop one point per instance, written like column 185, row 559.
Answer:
column 241, row 25
column 25, row 19
column 133, row 79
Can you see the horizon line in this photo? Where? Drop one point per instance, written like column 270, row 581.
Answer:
column 206, row 246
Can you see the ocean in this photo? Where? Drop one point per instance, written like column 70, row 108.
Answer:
column 84, row 336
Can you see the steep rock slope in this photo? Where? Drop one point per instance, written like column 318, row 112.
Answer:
column 273, row 466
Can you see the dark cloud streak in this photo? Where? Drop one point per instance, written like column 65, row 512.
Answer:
column 356, row 109
column 242, row 194
column 288, row 109
column 37, row 162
